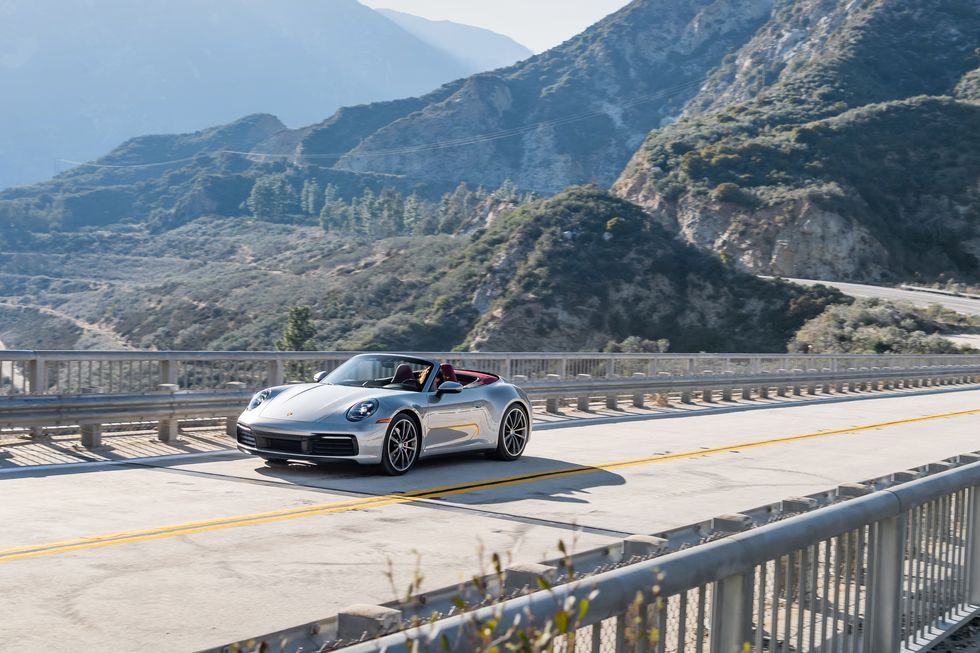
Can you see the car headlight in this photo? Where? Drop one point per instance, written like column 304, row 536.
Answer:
column 259, row 398
column 361, row 410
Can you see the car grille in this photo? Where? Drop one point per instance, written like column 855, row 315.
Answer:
column 334, row 445
column 319, row 444
column 288, row 446
column 245, row 437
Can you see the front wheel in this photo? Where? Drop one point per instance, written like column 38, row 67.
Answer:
column 514, row 431
column 401, row 446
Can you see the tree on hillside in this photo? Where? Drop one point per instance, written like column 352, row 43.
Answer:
column 309, row 197
column 333, row 214
column 272, row 196
column 389, row 219
column 299, row 333
column 637, row 345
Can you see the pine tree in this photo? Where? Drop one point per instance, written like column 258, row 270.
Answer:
column 507, row 192
column 333, row 214
column 272, row 196
column 299, row 333
column 310, row 197
column 412, row 213
column 390, row 213
column 365, row 220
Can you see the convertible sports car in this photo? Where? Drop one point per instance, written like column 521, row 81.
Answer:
column 390, row 410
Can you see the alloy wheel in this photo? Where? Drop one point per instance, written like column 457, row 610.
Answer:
column 515, row 432
column 402, row 445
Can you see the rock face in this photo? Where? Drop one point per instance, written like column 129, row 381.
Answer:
column 815, row 150
column 583, row 269
column 797, row 238
column 574, row 114
column 969, row 86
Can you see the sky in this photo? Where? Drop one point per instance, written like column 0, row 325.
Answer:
column 538, row 24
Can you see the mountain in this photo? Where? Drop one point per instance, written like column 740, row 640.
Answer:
column 480, row 49
column 572, row 115
column 552, row 274
column 80, row 77
column 818, row 138
column 840, row 142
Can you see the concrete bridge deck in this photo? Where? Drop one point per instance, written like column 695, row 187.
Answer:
column 196, row 552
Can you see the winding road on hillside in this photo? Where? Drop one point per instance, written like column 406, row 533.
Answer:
column 197, row 552
column 920, row 298
column 965, row 305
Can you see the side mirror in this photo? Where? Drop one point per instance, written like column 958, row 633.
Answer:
column 319, row 376
column 449, row 388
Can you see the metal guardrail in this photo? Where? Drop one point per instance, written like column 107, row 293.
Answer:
column 891, row 571
column 166, row 402
column 119, row 372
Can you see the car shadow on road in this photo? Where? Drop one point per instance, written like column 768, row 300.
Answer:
column 463, row 479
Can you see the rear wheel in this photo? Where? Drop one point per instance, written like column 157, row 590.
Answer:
column 514, row 431
column 401, row 446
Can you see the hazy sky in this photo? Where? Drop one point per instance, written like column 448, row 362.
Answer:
column 538, row 24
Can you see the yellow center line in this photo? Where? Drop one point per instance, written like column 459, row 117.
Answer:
column 129, row 537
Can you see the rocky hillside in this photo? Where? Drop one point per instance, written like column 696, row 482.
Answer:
column 702, row 73
column 829, row 147
column 584, row 269
column 572, row 272
column 571, row 115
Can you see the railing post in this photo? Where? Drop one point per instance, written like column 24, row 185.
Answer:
column 91, row 436
column 639, row 397
column 168, row 430
column 37, row 376
column 974, row 546
column 231, row 422
column 730, row 614
column 582, row 402
column 274, row 373
column 507, row 368
column 886, row 621
column 168, row 372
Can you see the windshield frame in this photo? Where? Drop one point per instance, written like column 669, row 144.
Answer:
column 332, row 377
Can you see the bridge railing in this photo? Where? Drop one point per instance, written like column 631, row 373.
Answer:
column 123, row 372
column 891, row 571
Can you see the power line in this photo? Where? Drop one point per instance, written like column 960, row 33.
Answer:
column 131, row 165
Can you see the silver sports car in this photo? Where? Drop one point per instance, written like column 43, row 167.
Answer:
column 390, row 410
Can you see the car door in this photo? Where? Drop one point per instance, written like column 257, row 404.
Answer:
column 454, row 421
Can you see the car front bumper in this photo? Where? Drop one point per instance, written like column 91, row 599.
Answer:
column 312, row 443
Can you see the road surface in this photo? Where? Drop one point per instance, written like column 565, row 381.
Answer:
column 964, row 305
column 196, row 553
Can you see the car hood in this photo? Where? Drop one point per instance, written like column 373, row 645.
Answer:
column 314, row 402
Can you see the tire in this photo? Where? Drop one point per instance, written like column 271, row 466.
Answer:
column 515, row 429
column 402, row 446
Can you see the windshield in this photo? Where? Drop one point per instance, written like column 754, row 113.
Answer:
column 382, row 371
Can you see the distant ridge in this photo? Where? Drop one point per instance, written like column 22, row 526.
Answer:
column 78, row 78
column 478, row 48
